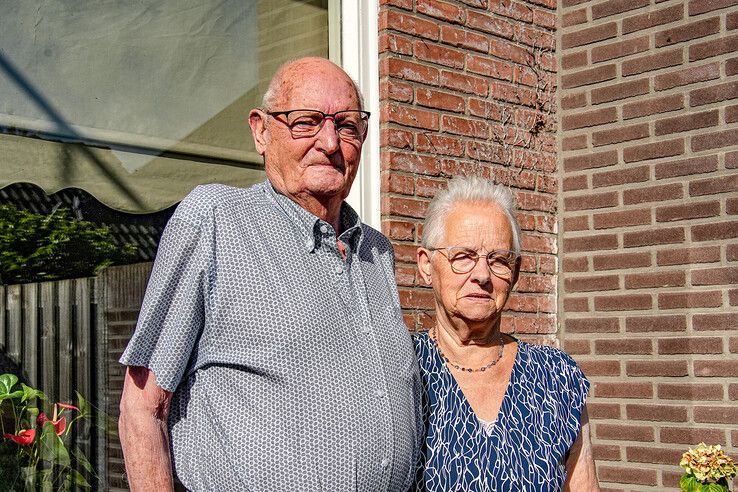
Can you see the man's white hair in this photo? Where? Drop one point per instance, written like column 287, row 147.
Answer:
column 467, row 189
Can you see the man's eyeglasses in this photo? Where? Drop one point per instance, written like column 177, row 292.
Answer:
column 351, row 125
column 463, row 260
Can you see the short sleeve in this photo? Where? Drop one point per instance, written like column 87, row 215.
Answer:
column 576, row 386
column 172, row 315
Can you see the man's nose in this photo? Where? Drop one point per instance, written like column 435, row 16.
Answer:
column 327, row 138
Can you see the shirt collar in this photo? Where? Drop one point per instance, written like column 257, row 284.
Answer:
column 311, row 227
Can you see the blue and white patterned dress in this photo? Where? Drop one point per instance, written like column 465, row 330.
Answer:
column 525, row 449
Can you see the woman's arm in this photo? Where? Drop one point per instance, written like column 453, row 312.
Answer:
column 581, row 474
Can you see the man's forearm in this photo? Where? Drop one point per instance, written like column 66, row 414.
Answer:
column 145, row 445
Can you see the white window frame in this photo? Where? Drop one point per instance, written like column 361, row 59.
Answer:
column 360, row 58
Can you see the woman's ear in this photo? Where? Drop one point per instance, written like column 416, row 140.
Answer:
column 516, row 273
column 423, row 257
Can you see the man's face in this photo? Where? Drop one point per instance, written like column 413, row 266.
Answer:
column 322, row 166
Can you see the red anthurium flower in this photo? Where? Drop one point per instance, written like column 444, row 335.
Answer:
column 71, row 407
column 60, row 425
column 24, row 437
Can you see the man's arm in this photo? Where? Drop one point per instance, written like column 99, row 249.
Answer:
column 580, row 467
column 142, row 426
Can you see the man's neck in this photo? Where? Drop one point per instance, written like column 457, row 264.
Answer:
column 326, row 208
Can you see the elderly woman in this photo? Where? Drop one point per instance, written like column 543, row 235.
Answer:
column 500, row 414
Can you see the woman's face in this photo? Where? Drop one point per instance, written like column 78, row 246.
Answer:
column 474, row 299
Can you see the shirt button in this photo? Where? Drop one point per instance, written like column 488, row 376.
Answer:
column 385, row 463
column 379, row 393
column 323, row 228
column 339, row 270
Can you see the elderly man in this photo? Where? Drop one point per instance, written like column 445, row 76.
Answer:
column 270, row 354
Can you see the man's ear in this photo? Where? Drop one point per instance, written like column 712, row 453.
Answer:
column 423, row 258
column 257, row 122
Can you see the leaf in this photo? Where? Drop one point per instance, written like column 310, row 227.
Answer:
column 688, row 483
column 52, row 447
column 82, row 460
column 29, row 393
column 77, row 479
column 7, row 381
column 84, row 407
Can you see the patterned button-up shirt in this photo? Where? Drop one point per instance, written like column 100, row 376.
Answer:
column 290, row 365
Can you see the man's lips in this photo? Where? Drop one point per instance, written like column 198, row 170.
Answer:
column 478, row 295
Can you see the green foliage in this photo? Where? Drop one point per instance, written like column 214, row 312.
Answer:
column 35, row 247
column 33, row 444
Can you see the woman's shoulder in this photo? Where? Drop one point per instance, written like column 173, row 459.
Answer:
column 546, row 356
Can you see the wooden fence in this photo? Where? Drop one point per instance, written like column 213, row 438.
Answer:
column 66, row 336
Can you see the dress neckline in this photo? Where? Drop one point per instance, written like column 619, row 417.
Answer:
column 487, row 426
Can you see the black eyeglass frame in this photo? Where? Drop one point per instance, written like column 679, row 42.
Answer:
column 364, row 116
column 510, row 265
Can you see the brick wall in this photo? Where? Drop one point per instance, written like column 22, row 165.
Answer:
column 468, row 88
column 649, row 208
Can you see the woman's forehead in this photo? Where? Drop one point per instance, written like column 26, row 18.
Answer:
column 469, row 224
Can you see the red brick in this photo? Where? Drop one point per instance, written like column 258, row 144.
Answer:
column 688, row 211
column 591, row 201
column 694, row 165
column 621, row 176
column 731, row 21
column 598, row 368
column 654, row 18
column 540, row 17
column 623, row 390
column 717, row 230
column 410, row 162
column 656, row 150
column 403, row 4
column 460, row 38
column 697, row 7
column 652, row 194
column 654, row 368
column 577, row 347
column 438, row 54
column 648, row 107
column 590, row 160
column 416, row 298
column 574, row 18
column 715, row 276
column 508, row 51
column 623, row 432
column 720, row 46
column 652, row 237
column 513, row 93
column 489, row 67
column 713, row 94
column 572, row 183
column 395, row 90
column 465, row 126
column 686, row 256
column 521, row 324
column 410, row 116
column 731, row 65
column 399, row 230
column 690, row 435
column 409, row 24
column 573, row 101
column 576, row 304
column 612, row 7
column 626, row 475
column 717, row 415
column 620, row 49
column 625, row 218
column 489, row 24
column 439, row 100
column 392, row 42
column 574, row 60
column 655, row 279
column 624, row 90
column 662, row 413
column 660, row 323
column 485, row 109
column 690, row 300
column 427, row 187
column 625, row 302
column 621, row 261
column 439, row 144
column 405, row 252
column 588, row 76
column 685, row 32
column 591, row 243
column 690, row 392
column 407, row 207
column 408, row 70
column 394, row 137
column 591, row 325
column 687, row 122
column 398, row 183
column 464, row 83
column 715, row 321
column 692, row 345
column 652, row 62
column 731, row 114
column 599, row 411
column 580, row 223
column 620, row 134
column 581, row 37
column 731, row 252
column 687, row 76
column 589, row 284
column 441, row 10
column 650, row 454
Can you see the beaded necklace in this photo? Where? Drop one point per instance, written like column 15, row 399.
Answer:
column 459, row 367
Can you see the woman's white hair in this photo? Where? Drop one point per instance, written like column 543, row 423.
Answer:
column 467, row 189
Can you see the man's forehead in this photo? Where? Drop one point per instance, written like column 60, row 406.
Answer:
column 302, row 82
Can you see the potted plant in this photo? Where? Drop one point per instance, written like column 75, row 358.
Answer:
column 706, row 469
